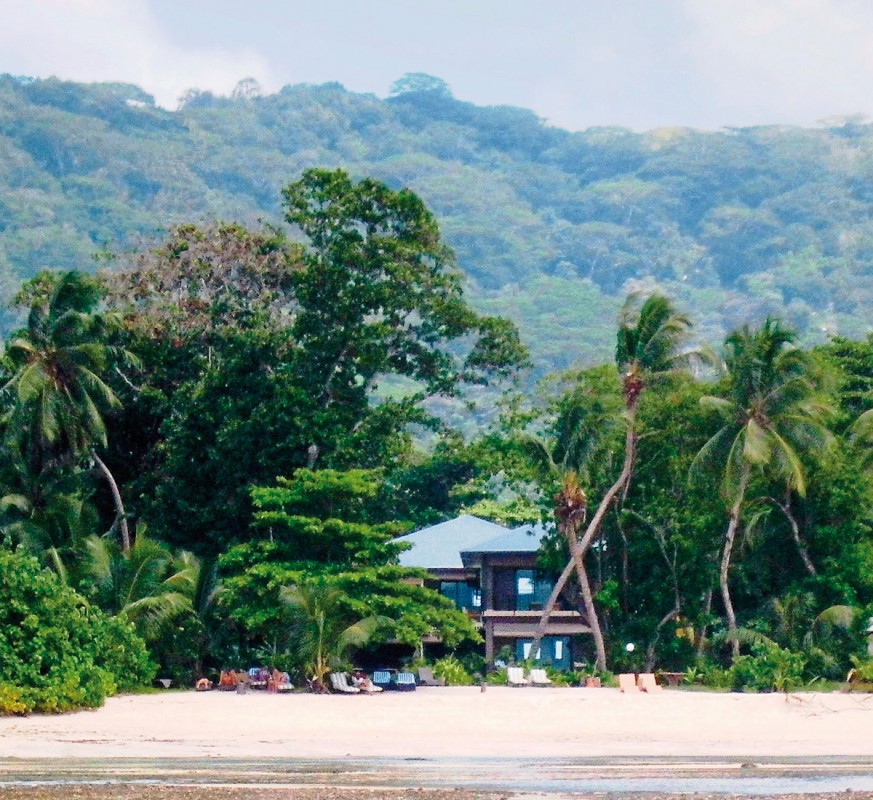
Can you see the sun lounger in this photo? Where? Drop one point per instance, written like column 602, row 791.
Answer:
column 427, row 678
column 647, row 683
column 259, row 677
column 340, row 684
column 515, row 677
column 279, row 682
column 228, row 680
column 405, row 682
column 365, row 684
column 627, row 683
column 382, row 679
column 538, row 677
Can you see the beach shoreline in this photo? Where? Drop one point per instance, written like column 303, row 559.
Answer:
column 439, row 743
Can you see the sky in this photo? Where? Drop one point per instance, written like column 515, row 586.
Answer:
column 640, row 64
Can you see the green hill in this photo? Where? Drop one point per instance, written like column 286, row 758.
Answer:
column 551, row 227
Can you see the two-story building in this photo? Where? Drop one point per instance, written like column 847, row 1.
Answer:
column 490, row 572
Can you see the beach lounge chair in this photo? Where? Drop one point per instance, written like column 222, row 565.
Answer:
column 227, row 681
column 627, row 683
column 647, row 683
column 405, row 682
column 538, row 677
column 382, row 679
column 515, row 677
column 365, row 683
column 259, row 677
column 427, row 678
column 340, row 684
column 279, row 682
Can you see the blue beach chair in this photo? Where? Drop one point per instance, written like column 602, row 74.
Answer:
column 405, row 682
column 382, row 679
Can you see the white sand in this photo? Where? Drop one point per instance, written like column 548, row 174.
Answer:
column 452, row 722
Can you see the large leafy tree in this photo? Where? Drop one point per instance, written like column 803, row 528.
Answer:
column 381, row 294
column 772, row 412
column 60, row 363
column 283, row 372
column 326, row 528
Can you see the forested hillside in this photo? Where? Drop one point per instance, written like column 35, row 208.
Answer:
column 553, row 228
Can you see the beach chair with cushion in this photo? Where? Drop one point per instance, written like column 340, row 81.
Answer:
column 258, row 677
column 515, row 677
column 405, row 682
column 382, row 679
column 340, row 684
column 280, row 682
column 627, row 683
column 538, row 677
column 365, row 683
column 647, row 683
column 227, row 681
column 427, row 678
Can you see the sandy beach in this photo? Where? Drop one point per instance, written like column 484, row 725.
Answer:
column 451, row 723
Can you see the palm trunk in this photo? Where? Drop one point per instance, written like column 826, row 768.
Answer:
column 588, row 602
column 724, row 569
column 593, row 529
column 120, row 516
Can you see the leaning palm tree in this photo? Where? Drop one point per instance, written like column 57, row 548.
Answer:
column 147, row 584
column 650, row 344
column 321, row 629
column 59, row 363
column 772, row 412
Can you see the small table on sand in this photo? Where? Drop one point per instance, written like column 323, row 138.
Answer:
column 672, row 678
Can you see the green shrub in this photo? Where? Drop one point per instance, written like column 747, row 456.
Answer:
column 768, row 668
column 497, row 677
column 862, row 670
column 12, row 700
column 715, row 677
column 57, row 652
column 453, row 671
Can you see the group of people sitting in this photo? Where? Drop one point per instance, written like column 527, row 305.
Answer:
column 255, row 678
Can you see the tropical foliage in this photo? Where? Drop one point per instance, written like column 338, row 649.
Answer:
column 218, row 442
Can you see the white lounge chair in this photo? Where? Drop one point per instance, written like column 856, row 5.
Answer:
column 647, row 683
column 340, row 684
column 515, row 677
column 627, row 683
column 538, row 677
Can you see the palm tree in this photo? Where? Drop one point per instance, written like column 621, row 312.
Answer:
column 60, row 360
column 649, row 345
column 147, row 584
column 772, row 411
column 322, row 634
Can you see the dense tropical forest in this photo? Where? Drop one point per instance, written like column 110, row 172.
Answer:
column 551, row 228
column 212, row 442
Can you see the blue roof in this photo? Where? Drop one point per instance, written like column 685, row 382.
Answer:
column 523, row 539
column 440, row 546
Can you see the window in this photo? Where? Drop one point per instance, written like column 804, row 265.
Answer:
column 525, row 649
column 532, row 592
column 476, row 598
